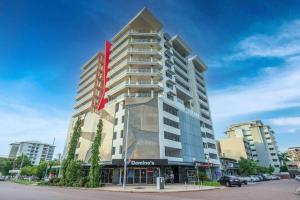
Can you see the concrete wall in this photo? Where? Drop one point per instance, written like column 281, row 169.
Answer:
column 233, row 147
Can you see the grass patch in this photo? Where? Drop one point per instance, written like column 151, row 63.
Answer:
column 210, row 183
column 24, row 182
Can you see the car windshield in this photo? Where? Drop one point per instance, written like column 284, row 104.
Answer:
column 232, row 176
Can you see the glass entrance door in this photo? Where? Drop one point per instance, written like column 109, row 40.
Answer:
column 143, row 176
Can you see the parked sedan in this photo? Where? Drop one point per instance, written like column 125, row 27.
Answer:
column 244, row 180
column 230, row 181
column 2, row 178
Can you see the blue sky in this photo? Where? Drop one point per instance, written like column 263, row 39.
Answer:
column 252, row 49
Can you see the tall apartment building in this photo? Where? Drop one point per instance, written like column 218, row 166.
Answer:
column 256, row 142
column 155, row 99
column 36, row 151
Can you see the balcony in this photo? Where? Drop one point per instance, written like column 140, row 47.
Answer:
column 148, row 41
column 134, row 33
column 133, row 72
column 134, row 84
column 83, row 100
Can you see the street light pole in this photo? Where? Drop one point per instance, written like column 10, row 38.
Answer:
column 126, row 145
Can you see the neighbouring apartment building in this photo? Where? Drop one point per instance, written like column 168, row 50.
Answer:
column 252, row 140
column 36, row 151
column 294, row 153
column 149, row 90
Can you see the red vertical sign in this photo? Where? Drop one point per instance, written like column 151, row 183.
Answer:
column 103, row 100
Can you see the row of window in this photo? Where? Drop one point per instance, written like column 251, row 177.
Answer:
column 205, row 116
column 170, row 109
column 118, row 105
column 182, row 85
column 115, row 134
column 202, row 98
column 171, row 136
column 178, row 65
column 209, row 145
column 207, row 135
column 116, row 120
column 205, row 125
column 181, row 75
column 113, row 151
column 170, row 122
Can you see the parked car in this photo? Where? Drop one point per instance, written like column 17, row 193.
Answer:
column 230, row 181
column 273, row 177
column 2, row 178
column 255, row 178
column 244, row 179
column 297, row 178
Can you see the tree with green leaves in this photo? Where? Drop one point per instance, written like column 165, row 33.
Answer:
column 247, row 167
column 283, row 158
column 29, row 171
column 71, row 151
column 21, row 161
column 41, row 169
column 94, row 174
column 271, row 169
column 74, row 173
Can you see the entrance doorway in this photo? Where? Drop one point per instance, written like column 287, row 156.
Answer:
column 142, row 175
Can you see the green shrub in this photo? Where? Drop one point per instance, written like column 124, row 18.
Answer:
column 210, row 183
column 202, row 176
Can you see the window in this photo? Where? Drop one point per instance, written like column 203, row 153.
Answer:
column 117, row 107
column 170, row 109
column 203, row 107
column 123, row 119
column 171, row 136
column 203, row 134
column 213, row 156
column 123, row 104
column 169, row 96
column 276, row 165
column 204, row 145
column 122, row 133
column 205, row 116
column 115, row 135
column 171, row 123
column 210, row 136
column 211, row 145
column 273, row 154
column 271, row 149
column 203, row 99
column 113, row 150
column 172, row 152
column 121, row 150
column 116, row 121
column 274, row 160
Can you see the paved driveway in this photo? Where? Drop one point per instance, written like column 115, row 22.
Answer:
column 272, row 190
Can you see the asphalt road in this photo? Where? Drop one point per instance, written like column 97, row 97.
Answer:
column 272, row 190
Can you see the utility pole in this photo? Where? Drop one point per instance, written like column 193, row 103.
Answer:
column 126, row 145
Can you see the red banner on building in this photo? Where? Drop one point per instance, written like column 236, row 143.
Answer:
column 102, row 98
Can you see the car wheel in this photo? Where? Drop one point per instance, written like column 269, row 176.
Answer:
column 240, row 185
column 246, row 183
column 228, row 184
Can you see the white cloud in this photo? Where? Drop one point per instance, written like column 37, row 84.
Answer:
column 285, row 43
column 286, row 121
column 275, row 88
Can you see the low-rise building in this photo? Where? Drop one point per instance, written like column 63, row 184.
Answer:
column 36, row 151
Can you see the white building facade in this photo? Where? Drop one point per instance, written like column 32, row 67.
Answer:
column 36, row 151
column 156, row 103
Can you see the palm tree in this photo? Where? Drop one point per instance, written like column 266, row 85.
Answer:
column 283, row 158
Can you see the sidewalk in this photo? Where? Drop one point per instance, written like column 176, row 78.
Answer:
column 152, row 188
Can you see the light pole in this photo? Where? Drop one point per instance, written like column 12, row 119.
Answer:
column 126, row 144
column 207, row 159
